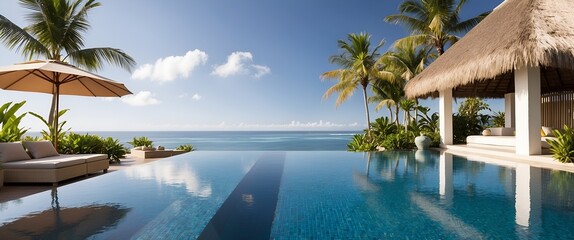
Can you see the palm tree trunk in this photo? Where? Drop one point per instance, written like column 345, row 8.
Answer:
column 397, row 115
column 367, row 110
column 390, row 111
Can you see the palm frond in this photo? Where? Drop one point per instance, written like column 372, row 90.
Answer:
column 17, row 38
column 92, row 58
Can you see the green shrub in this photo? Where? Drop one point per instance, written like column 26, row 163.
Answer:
column 400, row 140
column 141, row 141
column 360, row 143
column 185, row 147
column 73, row 143
column 498, row 119
column 563, row 147
column 80, row 144
column 114, row 149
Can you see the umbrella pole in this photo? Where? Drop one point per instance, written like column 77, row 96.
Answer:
column 55, row 116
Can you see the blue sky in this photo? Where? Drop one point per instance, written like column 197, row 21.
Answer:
column 222, row 65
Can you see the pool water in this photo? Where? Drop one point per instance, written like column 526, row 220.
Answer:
column 304, row 195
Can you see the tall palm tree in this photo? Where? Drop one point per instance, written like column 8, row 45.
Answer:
column 406, row 60
column 358, row 69
column 434, row 22
column 55, row 33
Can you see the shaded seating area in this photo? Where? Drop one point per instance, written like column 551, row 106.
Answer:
column 39, row 162
column 523, row 52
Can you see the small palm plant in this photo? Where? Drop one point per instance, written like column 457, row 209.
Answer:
column 141, row 142
column 562, row 147
column 49, row 133
column 185, row 147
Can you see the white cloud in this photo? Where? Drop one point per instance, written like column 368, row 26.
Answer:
column 183, row 95
column 237, row 64
column 196, row 97
column 142, row 98
column 172, row 67
column 260, row 70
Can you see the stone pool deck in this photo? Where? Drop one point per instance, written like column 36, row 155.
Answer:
column 11, row 191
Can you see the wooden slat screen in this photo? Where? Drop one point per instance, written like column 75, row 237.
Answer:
column 557, row 109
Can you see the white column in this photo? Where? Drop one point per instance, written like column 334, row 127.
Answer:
column 528, row 110
column 445, row 117
column 445, row 179
column 509, row 110
column 528, row 195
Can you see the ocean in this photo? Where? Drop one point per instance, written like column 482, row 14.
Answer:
column 239, row 140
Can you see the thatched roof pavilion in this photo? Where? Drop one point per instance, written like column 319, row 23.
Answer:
column 517, row 33
column 521, row 51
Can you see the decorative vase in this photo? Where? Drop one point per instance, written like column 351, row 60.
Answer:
column 423, row 142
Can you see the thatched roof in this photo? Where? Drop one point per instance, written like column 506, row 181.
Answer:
column 517, row 33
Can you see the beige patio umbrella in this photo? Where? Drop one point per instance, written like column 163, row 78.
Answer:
column 58, row 78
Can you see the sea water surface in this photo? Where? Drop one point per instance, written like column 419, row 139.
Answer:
column 239, row 140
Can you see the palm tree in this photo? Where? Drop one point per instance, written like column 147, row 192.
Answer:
column 358, row 69
column 405, row 61
column 55, row 33
column 434, row 22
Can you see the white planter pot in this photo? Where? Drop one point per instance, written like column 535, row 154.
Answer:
column 422, row 142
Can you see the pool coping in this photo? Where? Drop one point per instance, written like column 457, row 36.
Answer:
column 501, row 156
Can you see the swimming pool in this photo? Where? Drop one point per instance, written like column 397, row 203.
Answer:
column 304, row 195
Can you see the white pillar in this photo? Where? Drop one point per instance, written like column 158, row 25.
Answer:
column 445, row 180
column 527, row 85
column 528, row 195
column 445, row 117
column 509, row 110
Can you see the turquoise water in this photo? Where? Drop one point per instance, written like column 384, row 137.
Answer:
column 242, row 140
column 321, row 195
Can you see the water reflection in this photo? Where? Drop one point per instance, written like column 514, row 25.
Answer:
column 175, row 174
column 471, row 196
column 64, row 223
column 445, row 181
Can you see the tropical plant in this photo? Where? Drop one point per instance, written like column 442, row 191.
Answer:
column 358, row 69
column 434, row 23
column 56, row 32
column 185, row 147
column 401, row 140
column 141, row 142
column 361, row 143
column 382, row 126
column 498, row 119
column 562, row 147
column 405, row 61
column 114, row 149
column 428, row 124
column 74, row 143
column 11, row 130
column 80, row 144
column 49, row 133
column 469, row 121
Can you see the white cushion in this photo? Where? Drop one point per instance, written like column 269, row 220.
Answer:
column 12, row 151
column 502, row 131
column 41, row 149
column 547, row 131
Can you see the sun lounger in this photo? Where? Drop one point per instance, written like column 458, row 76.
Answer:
column 44, row 165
